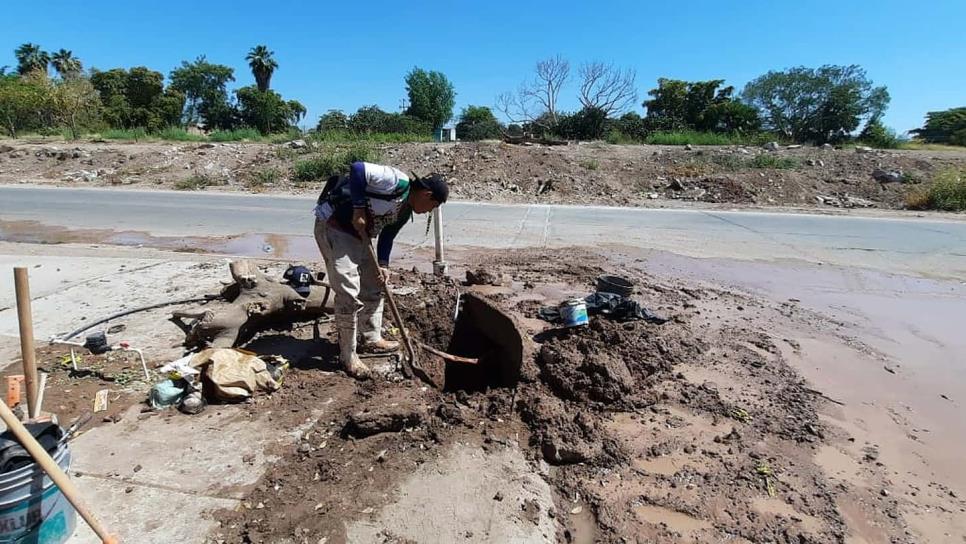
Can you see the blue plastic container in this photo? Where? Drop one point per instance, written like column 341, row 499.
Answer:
column 32, row 508
column 573, row 312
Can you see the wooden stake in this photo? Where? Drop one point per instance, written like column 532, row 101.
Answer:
column 27, row 353
column 61, row 480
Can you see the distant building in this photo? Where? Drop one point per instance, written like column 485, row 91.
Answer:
column 444, row 134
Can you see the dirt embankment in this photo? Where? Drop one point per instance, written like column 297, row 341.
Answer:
column 591, row 173
column 695, row 430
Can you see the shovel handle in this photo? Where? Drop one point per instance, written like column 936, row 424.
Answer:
column 407, row 342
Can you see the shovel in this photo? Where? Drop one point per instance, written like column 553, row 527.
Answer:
column 410, row 365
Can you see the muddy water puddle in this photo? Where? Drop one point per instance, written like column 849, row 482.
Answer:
column 257, row 245
column 675, row 521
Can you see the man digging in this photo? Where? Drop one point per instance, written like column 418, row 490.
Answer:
column 373, row 200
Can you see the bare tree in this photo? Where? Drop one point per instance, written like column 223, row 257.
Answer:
column 538, row 96
column 607, row 87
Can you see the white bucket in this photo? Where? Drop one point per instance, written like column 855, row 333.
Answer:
column 32, row 508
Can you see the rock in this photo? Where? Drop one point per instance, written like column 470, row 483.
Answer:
column 498, row 497
column 652, row 196
column 688, row 147
column 887, row 176
column 381, row 420
column 557, row 451
column 743, row 151
column 298, row 144
column 793, row 146
column 482, row 276
column 6, row 148
column 863, row 149
column 676, row 185
column 827, row 147
column 772, row 146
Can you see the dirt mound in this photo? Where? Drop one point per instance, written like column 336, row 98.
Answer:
column 606, row 362
column 591, row 173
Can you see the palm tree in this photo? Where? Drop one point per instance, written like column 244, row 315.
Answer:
column 66, row 64
column 262, row 62
column 31, row 57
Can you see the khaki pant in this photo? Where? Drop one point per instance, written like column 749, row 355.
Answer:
column 354, row 279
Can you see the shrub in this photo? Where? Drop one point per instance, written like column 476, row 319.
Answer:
column 879, row 136
column 235, row 135
column 179, row 135
column 684, row 137
column 947, row 192
column 125, row 134
column 320, row 167
column 197, row 182
column 265, row 176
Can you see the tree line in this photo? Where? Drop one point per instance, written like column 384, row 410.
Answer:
column 828, row 104
column 34, row 99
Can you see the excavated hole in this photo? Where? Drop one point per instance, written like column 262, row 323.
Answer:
column 484, row 331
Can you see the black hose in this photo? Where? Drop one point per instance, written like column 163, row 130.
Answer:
column 89, row 326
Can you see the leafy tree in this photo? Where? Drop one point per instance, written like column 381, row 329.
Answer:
column 136, row 98
column 204, row 85
column 478, row 123
column 75, row 104
column 263, row 110
column 730, row 116
column 697, row 105
column 66, row 64
column 371, row 119
column 632, row 125
column 431, row 97
column 20, row 102
column 817, row 104
column 944, row 127
column 263, row 65
column 878, row 135
column 368, row 119
column 333, row 120
column 590, row 123
column 31, row 58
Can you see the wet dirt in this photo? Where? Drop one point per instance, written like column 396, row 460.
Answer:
column 694, row 430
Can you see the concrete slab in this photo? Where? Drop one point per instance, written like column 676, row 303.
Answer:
column 148, row 514
column 452, row 500
column 154, row 480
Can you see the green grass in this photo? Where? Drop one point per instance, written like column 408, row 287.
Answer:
column 135, row 134
column 773, row 162
column 914, row 145
column 343, row 136
column 590, row 164
column 947, row 192
column 196, row 183
column 237, row 135
column 684, row 137
column 176, row 134
column 334, row 159
column 265, row 176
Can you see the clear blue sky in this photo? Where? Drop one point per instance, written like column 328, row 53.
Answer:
column 347, row 54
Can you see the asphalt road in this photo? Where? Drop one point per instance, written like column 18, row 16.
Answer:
column 926, row 247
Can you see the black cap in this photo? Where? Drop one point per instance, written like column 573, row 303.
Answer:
column 435, row 184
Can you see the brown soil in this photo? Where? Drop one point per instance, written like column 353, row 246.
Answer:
column 592, row 173
column 696, row 430
column 69, row 394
